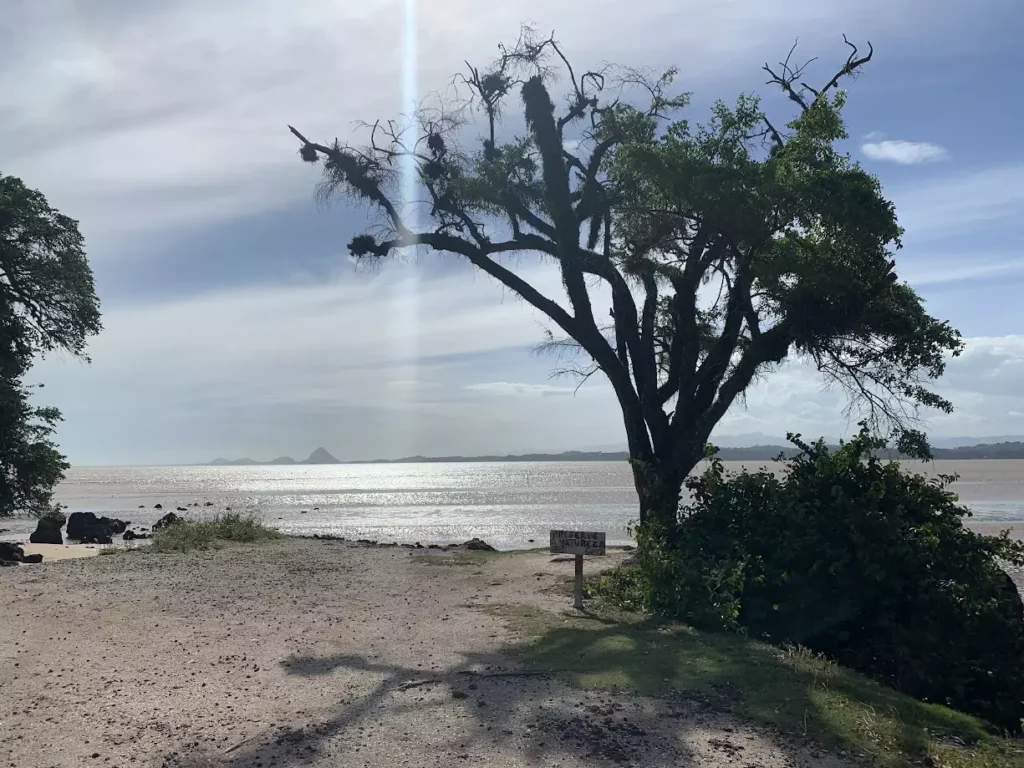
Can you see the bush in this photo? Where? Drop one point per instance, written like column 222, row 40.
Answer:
column 848, row 555
column 203, row 534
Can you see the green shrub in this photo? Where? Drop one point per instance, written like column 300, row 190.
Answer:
column 204, row 534
column 848, row 555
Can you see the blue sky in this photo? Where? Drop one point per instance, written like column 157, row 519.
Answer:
column 235, row 322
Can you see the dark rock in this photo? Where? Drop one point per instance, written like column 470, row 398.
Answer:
column 181, row 509
column 433, row 546
column 31, row 558
column 530, row 541
column 89, row 529
column 418, row 545
column 10, row 554
column 478, row 545
column 169, row 519
column 158, row 506
column 142, row 506
column 208, row 504
column 46, row 533
column 303, row 512
column 48, row 529
column 96, row 538
column 135, row 535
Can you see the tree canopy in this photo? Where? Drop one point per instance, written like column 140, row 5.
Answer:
column 727, row 247
column 47, row 302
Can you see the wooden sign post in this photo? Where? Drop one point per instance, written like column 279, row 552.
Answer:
column 577, row 543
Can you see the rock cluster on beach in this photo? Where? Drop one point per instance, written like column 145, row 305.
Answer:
column 169, row 519
column 473, row 545
column 87, row 528
column 12, row 554
column 478, row 545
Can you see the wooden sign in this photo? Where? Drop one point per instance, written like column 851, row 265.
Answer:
column 577, row 543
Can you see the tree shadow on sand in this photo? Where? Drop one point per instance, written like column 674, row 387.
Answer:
column 559, row 696
column 792, row 690
column 482, row 706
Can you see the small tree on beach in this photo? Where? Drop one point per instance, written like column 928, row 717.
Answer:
column 47, row 302
column 724, row 249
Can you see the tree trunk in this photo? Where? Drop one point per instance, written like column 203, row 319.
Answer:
column 658, row 486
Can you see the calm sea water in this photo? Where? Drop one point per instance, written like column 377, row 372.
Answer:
column 507, row 504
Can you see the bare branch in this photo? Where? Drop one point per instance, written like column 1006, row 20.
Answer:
column 789, row 78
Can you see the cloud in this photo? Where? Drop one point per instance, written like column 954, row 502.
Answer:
column 173, row 114
column 511, row 389
column 904, row 152
column 160, row 125
column 955, row 270
column 960, row 202
column 985, row 384
column 367, row 364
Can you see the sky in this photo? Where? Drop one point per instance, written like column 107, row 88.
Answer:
column 236, row 324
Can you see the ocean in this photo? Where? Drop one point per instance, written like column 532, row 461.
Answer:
column 508, row 504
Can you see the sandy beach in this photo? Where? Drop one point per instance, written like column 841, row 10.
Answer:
column 317, row 653
column 56, row 552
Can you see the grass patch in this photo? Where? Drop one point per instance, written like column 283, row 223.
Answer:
column 792, row 690
column 210, row 534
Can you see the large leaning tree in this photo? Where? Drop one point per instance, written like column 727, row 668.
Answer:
column 694, row 257
column 47, row 303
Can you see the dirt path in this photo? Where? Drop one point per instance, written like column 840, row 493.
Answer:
column 315, row 653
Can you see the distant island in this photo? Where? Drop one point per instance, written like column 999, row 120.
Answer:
column 1008, row 450
column 319, row 456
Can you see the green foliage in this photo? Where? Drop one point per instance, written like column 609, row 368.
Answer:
column 206, row 534
column 30, row 464
column 46, row 283
column 47, row 302
column 851, row 556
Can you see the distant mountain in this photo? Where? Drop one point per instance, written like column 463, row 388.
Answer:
column 1008, row 450
column 564, row 456
column 752, row 439
column 319, row 456
column 1013, row 449
column 965, row 442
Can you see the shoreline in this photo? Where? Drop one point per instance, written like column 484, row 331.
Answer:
column 71, row 550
